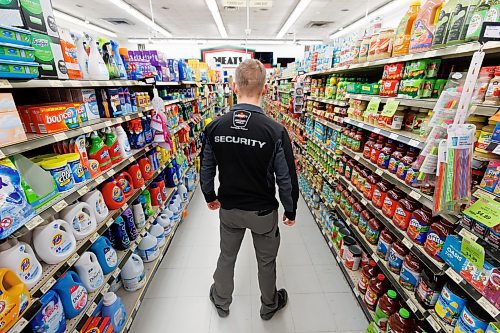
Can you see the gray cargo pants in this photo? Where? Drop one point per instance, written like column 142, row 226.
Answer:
column 266, row 241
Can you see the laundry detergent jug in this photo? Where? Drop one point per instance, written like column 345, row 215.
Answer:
column 148, row 208
column 73, row 294
column 113, row 194
column 15, row 298
column 125, row 149
column 156, row 198
column 132, row 273
column 183, row 192
column 158, row 231
column 139, row 217
column 96, row 202
column 106, row 254
column 89, row 271
column 148, row 248
column 113, row 308
column 54, row 242
column 81, row 218
column 124, row 180
column 99, row 151
column 114, row 149
column 135, row 172
column 128, row 217
column 50, row 318
column 146, row 168
column 171, row 176
column 20, row 258
column 425, row 25
column 119, row 234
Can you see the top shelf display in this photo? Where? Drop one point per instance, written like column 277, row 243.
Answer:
column 40, row 83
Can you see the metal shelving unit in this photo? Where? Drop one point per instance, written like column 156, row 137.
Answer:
column 328, row 101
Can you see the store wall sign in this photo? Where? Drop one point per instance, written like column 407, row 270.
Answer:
column 227, row 57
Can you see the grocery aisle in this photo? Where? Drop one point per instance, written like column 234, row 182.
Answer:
column 320, row 299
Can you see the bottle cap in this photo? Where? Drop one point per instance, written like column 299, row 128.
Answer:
column 381, row 277
column 404, row 313
column 109, row 298
column 392, row 294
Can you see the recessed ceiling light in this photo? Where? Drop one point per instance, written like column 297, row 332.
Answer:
column 344, row 10
column 264, row 9
column 165, row 7
column 79, row 6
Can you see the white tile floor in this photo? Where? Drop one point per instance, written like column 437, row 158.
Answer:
column 319, row 298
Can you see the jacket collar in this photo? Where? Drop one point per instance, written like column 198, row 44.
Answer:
column 248, row 107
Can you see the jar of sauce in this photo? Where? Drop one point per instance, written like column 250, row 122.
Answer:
column 385, row 154
column 356, row 212
column 357, row 141
column 376, row 288
column 391, row 201
column 338, row 193
column 348, row 207
column 363, row 175
column 373, row 231
column 404, row 210
column 436, row 237
column 386, row 306
column 367, row 273
column 345, row 135
column 396, row 156
column 367, row 149
column 348, row 168
column 428, row 289
column 377, row 148
column 343, row 199
column 380, row 192
column 396, row 256
column 405, row 163
column 410, row 272
column 384, row 245
column 420, row 223
column 363, row 221
column 350, row 137
column 371, row 180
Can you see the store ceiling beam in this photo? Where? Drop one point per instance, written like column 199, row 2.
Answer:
column 299, row 9
column 214, row 9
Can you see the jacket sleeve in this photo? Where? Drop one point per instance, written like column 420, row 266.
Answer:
column 208, row 170
column 286, row 176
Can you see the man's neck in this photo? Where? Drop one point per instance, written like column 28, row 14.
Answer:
column 249, row 100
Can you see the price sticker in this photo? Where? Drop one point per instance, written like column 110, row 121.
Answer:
column 356, row 157
column 91, row 309
column 350, row 188
column 94, row 238
column 466, row 233
column 490, row 308
column 454, row 275
column 323, row 231
column 376, row 130
column 83, row 190
column 433, row 323
column 34, row 222
column 105, row 289
column 20, row 325
column 87, row 129
column 407, row 243
column 415, row 195
column 134, row 246
column 116, row 272
column 60, row 206
column 110, row 173
column 127, row 118
column 56, row 84
column 143, row 187
column 131, row 159
column 5, row 84
column 330, row 244
column 413, row 143
column 60, row 136
column 94, row 83
column 473, row 251
column 100, row 179
column 46, row 287
column 109, row 222
column 364, row 202
column 125, row 206
column 485, row 210
column 108, row 123
column 375, row 257
column 73, row 259
column 412, row 306
column 356, row 292
column 361, row 125
column 137, row 305
column 394, row 136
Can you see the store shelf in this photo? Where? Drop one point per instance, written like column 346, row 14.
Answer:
column 326, row 123
column 429, row 103
column 189, row 82
column 40, row 83
column 328, row 101
column 133, row 300
column 39, row 140
column 327, row 177
column 449, row 52
column 179, row 100
column 322, row 145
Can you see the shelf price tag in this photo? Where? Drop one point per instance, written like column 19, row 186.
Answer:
column 433, row 323
column 413, row 143
column 390, row 107
column 91, row 309
column 5, row 84
column 415, row 195
column 60, row 206
column 46, row 287
column 490, row 308
column 94, row 238
column 2, row 155
column 454, row 275
column 473, row 251
column 466, row 233
column 376, row 130
column 87, row 129
column 100, row 179
column 60, row 136
column 412, row 306
column 393, row 136
column 379, row 172
column 73, row 259
column 407, row 243
column 116, row 273
column 485, row 210
column 20, row 325
column 34, row 222
column 83, row 190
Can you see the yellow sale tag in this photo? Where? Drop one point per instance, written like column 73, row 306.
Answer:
column 473, row 251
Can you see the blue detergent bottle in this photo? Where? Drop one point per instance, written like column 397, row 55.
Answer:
column 72, row 293
column 113, row 308
column 128, row 217
column 106, row 254
column 50, row 318
column 120, row 233
column 171, row 176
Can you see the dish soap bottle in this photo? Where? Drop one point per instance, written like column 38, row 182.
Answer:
column 114, row 309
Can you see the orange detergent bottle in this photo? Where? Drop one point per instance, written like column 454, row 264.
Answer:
column 14, row 297
column 403, row 32
column 425, row 25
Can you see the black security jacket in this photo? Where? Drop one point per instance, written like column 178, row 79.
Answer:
column 253, row 153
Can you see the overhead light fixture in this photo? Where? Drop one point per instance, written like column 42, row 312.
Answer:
column 140, row 16
column 83, row 23
column 392, row 6
column 301, row 6
column 214, row 9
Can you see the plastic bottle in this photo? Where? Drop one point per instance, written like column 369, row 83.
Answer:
column 400, row 322
column 443, row 24
column 118, row 60
column 132, row 273
column 148, row 207
column 128, row 217
column 429, row 288
column 97, row 67
column 99, row 151
column 159, row 232
column 20, row 258
column 89, row 271
column 96, row 202
column 15, row 298
column 125, row 182
column 114, row 149
column 81, row 219
column 106, row 254
column 123, row 142
column 183, row 192
column 50, row 318
column 424, row 26
column 410, row 272
column 119, row 232
column 113, row 194
column 72, row 292
column 367, row 273
column 386, row 306
column 148, row 248
column 83, row 58
column 403, row 32
column 139, row 217
column 114, row 309
column 54, row 242
column 376, row 288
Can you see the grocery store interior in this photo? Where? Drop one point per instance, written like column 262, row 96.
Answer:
column 392, row 108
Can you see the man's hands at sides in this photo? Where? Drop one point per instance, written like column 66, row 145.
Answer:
column 214, row 205
column 288, row 222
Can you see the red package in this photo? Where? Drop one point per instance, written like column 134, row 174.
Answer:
column 389, row 88
column 393, row 71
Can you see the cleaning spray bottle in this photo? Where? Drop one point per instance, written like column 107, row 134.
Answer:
column 114, row 149
column 96, row 65
column 83, row 57
column 99, row 151
column 118, row 60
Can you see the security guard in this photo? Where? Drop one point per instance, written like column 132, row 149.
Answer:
column 252, row 153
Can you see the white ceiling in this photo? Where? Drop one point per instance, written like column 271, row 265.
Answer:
column 192, row 18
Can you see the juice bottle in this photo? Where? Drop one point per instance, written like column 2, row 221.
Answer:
column 386, row 306
column 460, row 21
column 377, row 287
column 367, row 273
column 400, row 322
column 403, row 32
column 377, row 148
column 367, row 150
column 425, row 25
column 443, row 25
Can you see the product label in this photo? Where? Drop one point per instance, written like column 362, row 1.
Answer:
column 135, row 283
column 468, row 323
column 78, row 295
column 476, row 23
column 362, row 225
column 371, row 298
column 371, row 234
column 383, row 160
column 383, row 249
column 449, row 306
column 393, row 165
column 82, row 222
column 381, row 318
column 355, row 217
column 27, row 270
column 409, row 278
column 401, row 218
column 111, row 257
column 117, row 194
column 402, row 170
column 417, row 231
column 395, row 261
column 100, row 207
column 60, row 244
column 433, row 244
column 427, row 294
column 440, row 31
column 389, row 207
column 363, row 283
column 95, row 277
column 421, row 36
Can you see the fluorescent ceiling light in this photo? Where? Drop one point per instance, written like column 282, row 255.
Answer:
column 71, row 19
column 301, row 6
column 214, row 9
column 392, row 6
column 141, row 17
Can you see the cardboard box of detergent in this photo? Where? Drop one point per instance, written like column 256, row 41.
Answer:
column 48, row 54
column 39, row 16
column 57, row 117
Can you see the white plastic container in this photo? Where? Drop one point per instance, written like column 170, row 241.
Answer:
column 20, row 258
column 96, row 202
column 139, row 217
column 81, row 218
column 83, row 58
column 183, row 192
column 54, row 242
column 96, row 65
column 89, row 271
column 159, row 232
column 122, row 138
column 148, row 248
column 132, row 273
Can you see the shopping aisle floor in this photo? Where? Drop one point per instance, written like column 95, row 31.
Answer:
column 320, row 299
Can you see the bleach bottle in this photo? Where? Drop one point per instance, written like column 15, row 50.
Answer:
column 148, row 248
column 50, row 318
column 158, row 231
column 183, row 192
column 119, row 233
column 72, row 293
column 106, row 254
column 89, row 271
column 132, row 273
column 139, row 217
column 115, row 310
column 54, row 242
column 20, row 258
column 96, row 202
column 81, row 218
